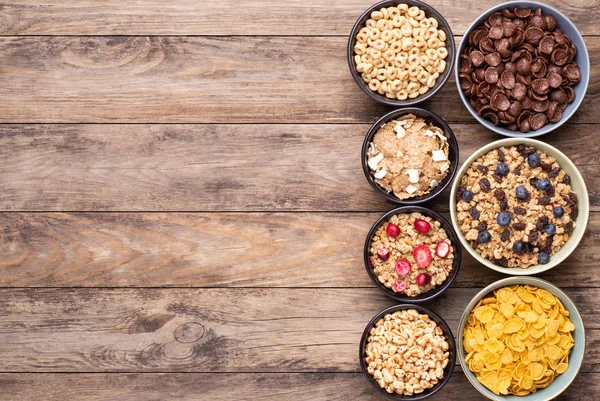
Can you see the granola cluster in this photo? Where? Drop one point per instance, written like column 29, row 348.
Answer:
column 516, row 207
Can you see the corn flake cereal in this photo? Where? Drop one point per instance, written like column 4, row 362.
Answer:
column 518, row 340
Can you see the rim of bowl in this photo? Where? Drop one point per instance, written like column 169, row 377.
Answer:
column 505, row 282
column 582, row 195
column 584, row 79
column 447, row 333
column 440, row 82
column 453, row 153
column 438, row 290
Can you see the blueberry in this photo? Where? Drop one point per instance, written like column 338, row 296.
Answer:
column 504, row 218
column 502, row 169
column 518, row 247
column 534, row 160
column 550, row 229
column 521, row 192
column 543, row 184
column 558, row 211
column 543, row 258
column 467, row 196
column 484, row 237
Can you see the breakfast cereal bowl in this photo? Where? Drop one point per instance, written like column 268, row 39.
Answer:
column 571, row 339
column 412, row 254
column 554, row 118
column 414, row 152
column 446, row 40
column 443, row 360
column 527, row 221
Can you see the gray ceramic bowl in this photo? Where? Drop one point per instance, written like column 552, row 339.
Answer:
column 582, row 59
column 442, row 79
column 577, row 184
column 562, row 381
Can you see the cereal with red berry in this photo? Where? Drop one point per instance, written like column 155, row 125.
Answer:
column 411, row 253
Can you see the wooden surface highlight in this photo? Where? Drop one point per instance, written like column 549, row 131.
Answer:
column 210, row 330
column 229, row 17
column 236, row 386
column 220, row 250
column 207, row 155
column 202, row 80
column 266, row 167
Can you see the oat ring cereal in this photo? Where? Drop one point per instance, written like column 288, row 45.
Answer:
column 400, row 52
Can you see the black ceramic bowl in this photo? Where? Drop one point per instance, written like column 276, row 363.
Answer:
column 429, row 295
column 451, row 349
column 429, row 117
column 442, row 79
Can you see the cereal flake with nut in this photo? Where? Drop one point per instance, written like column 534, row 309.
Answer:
column 409, row 156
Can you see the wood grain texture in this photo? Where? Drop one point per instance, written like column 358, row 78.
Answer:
column 229, row 17
column 219, row 250
column 229, row 386
column 301, row 167
column 209, row 330
column 202, row 80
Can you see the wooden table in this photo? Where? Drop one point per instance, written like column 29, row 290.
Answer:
column 184, row 210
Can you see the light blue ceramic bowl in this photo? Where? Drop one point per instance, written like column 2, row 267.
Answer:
column 582, row 59
column 562, row 381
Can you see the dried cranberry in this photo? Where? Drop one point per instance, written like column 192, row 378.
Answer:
column 554, row 172
column 574, row 212
column 484, row 184
column 502, row 262
column 546, row 166
column 519, row 226
column 573, row 197
column 500, row 155
column 533, row 236
column 541, row 223
column 569, row 227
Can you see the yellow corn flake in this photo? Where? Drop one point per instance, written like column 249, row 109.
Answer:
column 518, row 340
column 507, row 310
column 512, row 326
column 561, row 368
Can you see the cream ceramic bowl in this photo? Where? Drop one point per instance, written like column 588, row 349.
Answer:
column 577, row 184
column 560, row 382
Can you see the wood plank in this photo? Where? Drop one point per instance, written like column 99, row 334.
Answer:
column 201, row 80
column 216, row 167
column 228, row 17
column 208, row 330
column 219, row 250
column 250, row 386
